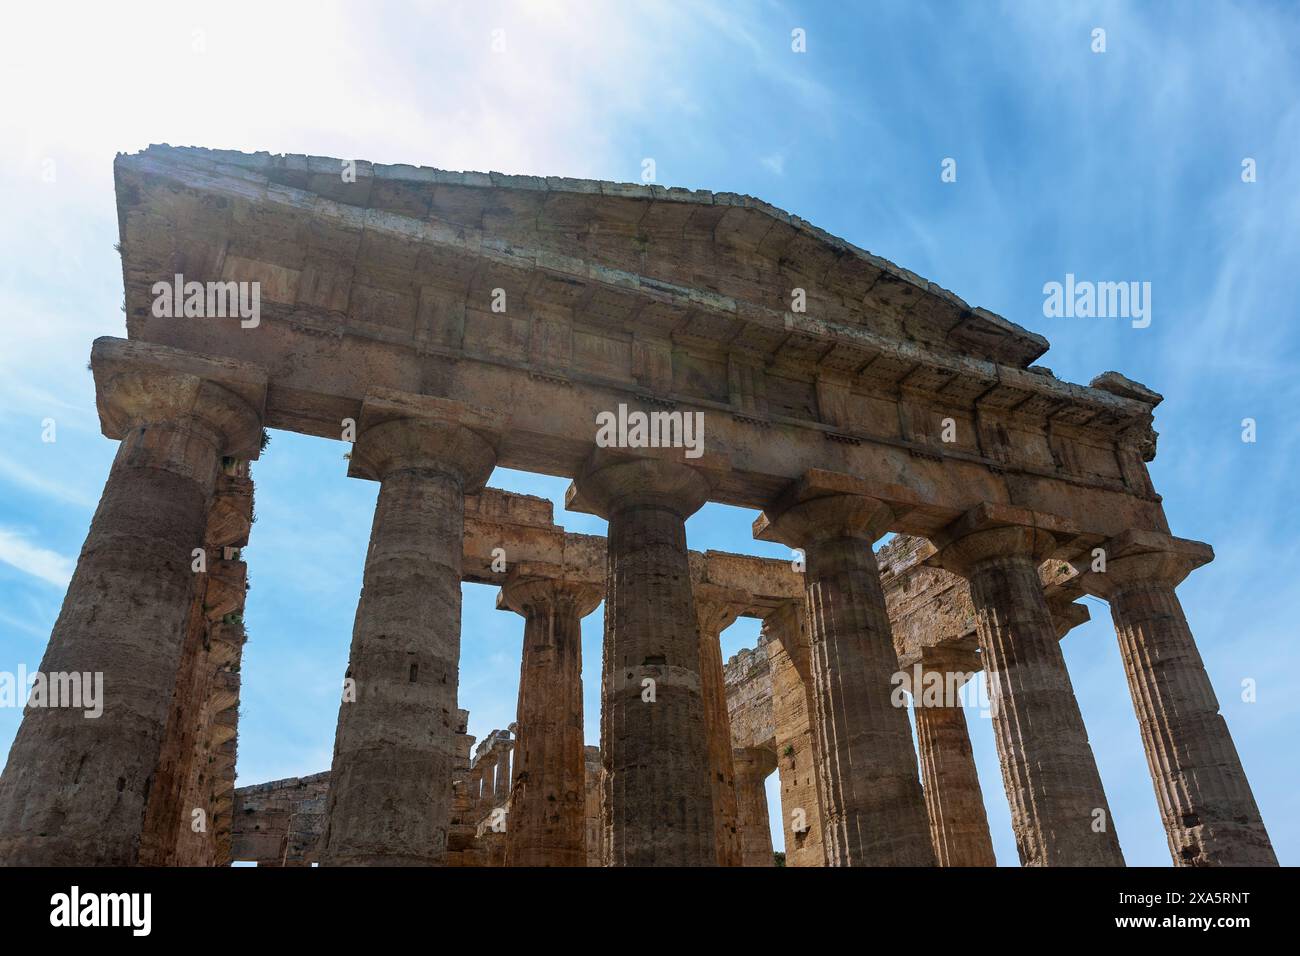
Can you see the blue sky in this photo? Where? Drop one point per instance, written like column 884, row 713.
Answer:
column 1114, row 166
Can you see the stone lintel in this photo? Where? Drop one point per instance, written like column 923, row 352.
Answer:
column 609, row 322
column 112, row 358
column 959, row 656
column 386, row 404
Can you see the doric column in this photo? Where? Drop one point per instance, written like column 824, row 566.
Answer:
column 873, row 810
column 715, row 617
column 547, row 825
column 1058, row 807
column 1205, row 800
column 182, row 829
column 752, row 767
column 595, row 831
column 503, row 773
column 959, row 827
column 476, row 785
column 658, row 796
column 487, row 766
column 395, row 748
column 76, row 787
column 792, row 725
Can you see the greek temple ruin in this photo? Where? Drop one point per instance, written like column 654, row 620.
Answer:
column 444, row 323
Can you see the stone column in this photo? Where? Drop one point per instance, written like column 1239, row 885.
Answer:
column 486, row 771
column 792, row 724
column 658, row 795
column 752, row 767
column 207, row 688
column 873, row 810
column 75, row 789
column 595, row 831
column 714, row 617
column 547, row 824
column 503, row 773
column 959, row 827
column 1058, row 807
column 1205, row 800
column 395, row 749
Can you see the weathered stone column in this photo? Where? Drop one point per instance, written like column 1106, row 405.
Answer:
column 796, row 743
column 395, row 749
column 206, row 695
column 75, row 789
column 959, row 827
column 753, row 764
column 1058, row 807
column 715, row 617
column 873, row 810
column 503, row 773
column 658, row 795
column 1205, row 800
column 486, row 771
column 547, row 824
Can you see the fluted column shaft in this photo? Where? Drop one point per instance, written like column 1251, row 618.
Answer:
column 714, row 618
column 395, row 748
column 754, row 828
column 959, row 827
column 871, row 795
column 503, row 775
column 658, row 796
column 1058, row 806
column 796, row 742
column 75, row 789
column 1205, row 800
column 186, row 780
column 547, row 825
column 873, row 810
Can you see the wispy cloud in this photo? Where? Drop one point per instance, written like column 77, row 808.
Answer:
column 48, row 566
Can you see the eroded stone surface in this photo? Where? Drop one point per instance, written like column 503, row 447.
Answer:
column 889, row 406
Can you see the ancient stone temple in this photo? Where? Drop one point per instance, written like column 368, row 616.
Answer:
column 446, row 323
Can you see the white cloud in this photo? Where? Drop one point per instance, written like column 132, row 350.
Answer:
column 775, row 162
column 39, row 562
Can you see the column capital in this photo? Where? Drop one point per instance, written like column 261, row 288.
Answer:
column 139, row 384
column 1142, row 559
column 524, row 591
column 991, row 531
column 824, row 505
column 612, row 480
column 715, row 615
column 402, row 431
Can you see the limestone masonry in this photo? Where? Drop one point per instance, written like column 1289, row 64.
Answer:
column 447, row 323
